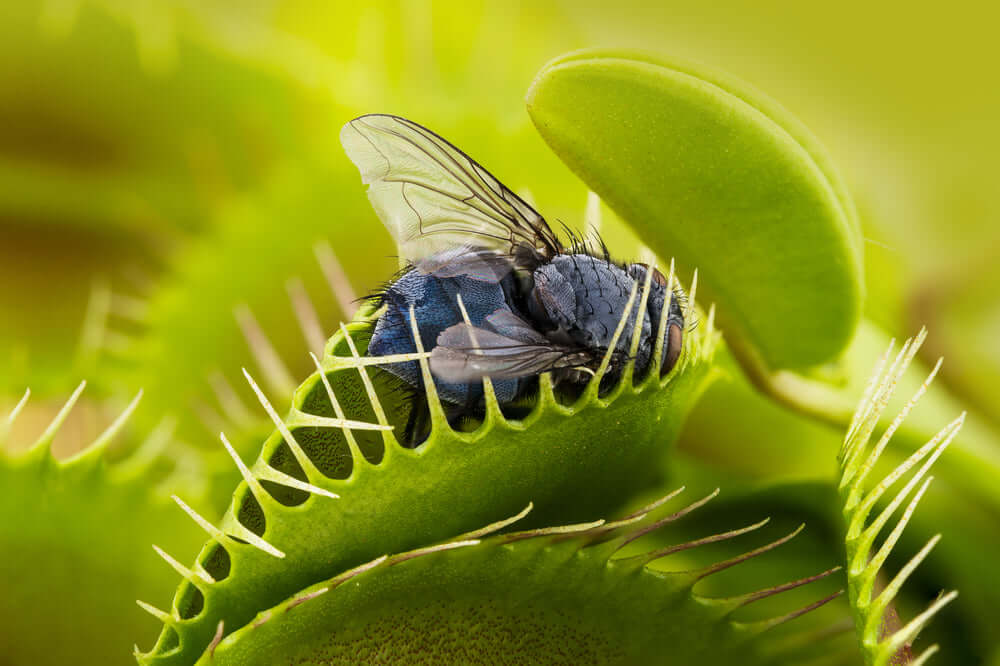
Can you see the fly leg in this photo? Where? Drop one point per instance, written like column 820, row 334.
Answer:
column 418, row 425
column 459, row 415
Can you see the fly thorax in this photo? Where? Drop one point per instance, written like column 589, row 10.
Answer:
column 585, row 297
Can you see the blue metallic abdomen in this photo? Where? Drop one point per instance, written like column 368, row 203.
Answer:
column 435, row 305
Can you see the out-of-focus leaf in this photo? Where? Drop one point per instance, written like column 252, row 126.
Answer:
column 258, row 244
column 75, row 536
column 962, row 308
column 121, row 129
column 48, row 278
column 711, row 172
column 126, row 117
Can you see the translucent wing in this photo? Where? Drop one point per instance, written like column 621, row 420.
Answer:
column 508, row 324
column 433, row 197
column 477, row 263
column 467, row 353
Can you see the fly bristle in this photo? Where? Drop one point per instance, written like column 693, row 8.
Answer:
column 579, row 244
column 377, row 295
column 599, row 241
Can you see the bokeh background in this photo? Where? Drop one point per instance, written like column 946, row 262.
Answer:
column 169, row 172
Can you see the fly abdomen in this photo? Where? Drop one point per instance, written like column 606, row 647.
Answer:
column 435, row 304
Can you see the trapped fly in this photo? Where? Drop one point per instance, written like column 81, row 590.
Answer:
column 531, row 305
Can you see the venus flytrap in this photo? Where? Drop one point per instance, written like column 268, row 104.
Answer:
column 573, row 459
column 789, row 448
column 75, row 536
column 882, row 643
column 708, row 170
column 686, row 156
column 340, row 543
column 276, row 541
column 548, row 595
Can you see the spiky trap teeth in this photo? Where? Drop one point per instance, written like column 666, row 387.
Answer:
column 882, row 642
column 333, row 487
column 75, row 534
column 548, row 595
column 228, row 412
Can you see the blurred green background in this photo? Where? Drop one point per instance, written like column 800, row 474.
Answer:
column 163, row 164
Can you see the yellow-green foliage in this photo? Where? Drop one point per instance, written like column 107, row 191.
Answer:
column 168, row 169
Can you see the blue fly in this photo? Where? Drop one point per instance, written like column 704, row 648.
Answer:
column 530, row 304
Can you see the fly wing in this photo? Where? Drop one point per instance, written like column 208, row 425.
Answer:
column 466, row 353
column 473, row 262
column 431, row 196
column 508, row 324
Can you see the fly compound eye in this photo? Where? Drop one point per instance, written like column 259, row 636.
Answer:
column 658, row 277
column 675, row 337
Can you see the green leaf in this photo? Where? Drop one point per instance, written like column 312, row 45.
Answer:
column 575, row 458
column 557, row 595
column 713, row 173
column 130, row 118
column 122, row 127
column 75, row 536
column 246, row 263
column 963, row 500
column 883, row 638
